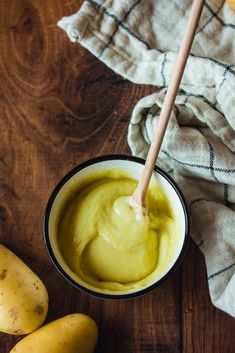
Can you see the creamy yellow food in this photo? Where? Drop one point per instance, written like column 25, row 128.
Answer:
column 105, row 243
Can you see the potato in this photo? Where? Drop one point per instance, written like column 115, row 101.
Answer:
column 75, row 333
column 23, row 297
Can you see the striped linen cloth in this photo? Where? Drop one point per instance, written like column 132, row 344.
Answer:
column 139, row 40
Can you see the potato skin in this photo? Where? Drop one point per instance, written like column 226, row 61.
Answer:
column 75, row 333
column 23, row 296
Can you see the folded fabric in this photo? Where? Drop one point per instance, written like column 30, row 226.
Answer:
column 139, row 40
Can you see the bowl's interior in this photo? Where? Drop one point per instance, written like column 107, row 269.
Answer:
column 134, row 170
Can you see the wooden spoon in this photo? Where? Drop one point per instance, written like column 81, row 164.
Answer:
column 139, row 195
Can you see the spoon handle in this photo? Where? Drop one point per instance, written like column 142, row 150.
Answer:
column 139, row 195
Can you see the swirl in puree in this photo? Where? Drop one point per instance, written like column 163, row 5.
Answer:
column 106, row 243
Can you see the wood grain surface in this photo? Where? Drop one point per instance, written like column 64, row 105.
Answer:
column 60, row 106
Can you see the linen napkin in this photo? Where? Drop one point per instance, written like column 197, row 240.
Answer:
column 140, row 40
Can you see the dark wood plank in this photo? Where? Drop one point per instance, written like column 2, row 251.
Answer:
column 204, row 328
column 58, row 107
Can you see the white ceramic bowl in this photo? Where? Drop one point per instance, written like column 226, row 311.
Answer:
column 133, row 166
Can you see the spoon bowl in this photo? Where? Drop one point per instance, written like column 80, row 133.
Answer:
column 133, row 167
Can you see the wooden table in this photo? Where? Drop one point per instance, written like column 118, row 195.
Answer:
column 60, row 106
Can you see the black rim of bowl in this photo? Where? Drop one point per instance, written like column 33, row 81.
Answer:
column 48, row 211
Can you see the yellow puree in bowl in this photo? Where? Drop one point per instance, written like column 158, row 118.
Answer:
column 105, row 243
